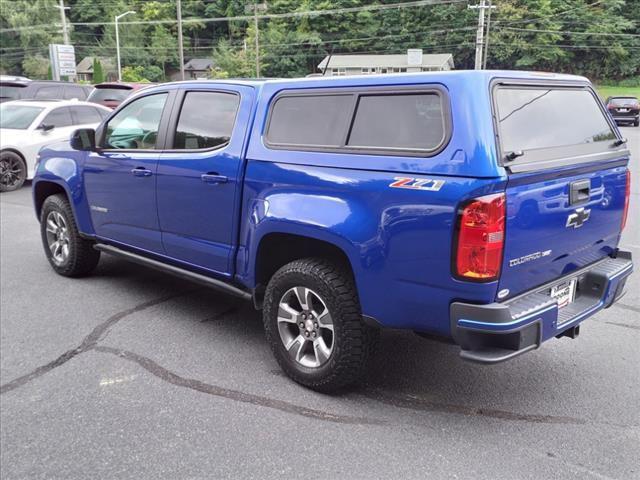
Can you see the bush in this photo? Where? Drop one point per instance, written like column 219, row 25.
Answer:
column 153, row 73
column 630, row 82
column 627, row 82
column 36, row 67
column 134, row 74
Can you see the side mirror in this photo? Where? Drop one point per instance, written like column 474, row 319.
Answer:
column 45, row 127
column 83, row 139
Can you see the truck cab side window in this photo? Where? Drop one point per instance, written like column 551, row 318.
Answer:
column 136, row 126
column 206, row 120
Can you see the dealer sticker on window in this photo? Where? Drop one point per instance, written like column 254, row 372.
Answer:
column 564, row 293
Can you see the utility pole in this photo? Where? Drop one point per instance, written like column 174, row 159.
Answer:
column 63, row 19
column 486, row 44
column 255, row 8
column 180, row 45
column 480, row 32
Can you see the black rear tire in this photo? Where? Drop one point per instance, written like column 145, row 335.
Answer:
column 81, row 258
column 352, row 342
column 13, row 171
column 636, row 123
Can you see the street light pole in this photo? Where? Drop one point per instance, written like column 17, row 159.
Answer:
column 118, row 17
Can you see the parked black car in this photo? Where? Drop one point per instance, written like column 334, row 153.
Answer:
column 42, row 90
column 624, row 110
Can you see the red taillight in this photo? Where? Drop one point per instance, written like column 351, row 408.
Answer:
column 627, row 196
column 481, row 238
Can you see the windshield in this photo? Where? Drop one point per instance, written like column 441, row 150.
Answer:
column 105, row 94
column 10, row 92
column 18, row 117
column 623, row 101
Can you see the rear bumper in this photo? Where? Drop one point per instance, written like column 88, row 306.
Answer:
column 626, row 118
column 497, row 332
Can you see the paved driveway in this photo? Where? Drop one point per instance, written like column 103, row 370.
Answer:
column 134, row 374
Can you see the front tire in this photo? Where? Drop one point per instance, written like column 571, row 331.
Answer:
column 13, row 171
column 314, row 325
column 68, row 253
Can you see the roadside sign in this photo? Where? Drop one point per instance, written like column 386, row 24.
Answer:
column 63, row 60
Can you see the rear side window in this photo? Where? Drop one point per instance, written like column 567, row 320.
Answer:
column 74, row 92
column 85, row 115
column 206, row 120
column 103, row 114
column 310, row 120
column 60, row 117
column 49, row 92
column 403, row 121
column 376, row 122
column 531, row 118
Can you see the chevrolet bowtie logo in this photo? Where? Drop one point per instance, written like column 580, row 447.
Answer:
column 578, row 218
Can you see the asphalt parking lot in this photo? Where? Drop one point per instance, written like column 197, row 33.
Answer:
column 134, row 374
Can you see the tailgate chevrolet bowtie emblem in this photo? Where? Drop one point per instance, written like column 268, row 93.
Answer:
column 578, row 218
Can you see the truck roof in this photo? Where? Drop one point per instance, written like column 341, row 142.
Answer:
column 321, row 81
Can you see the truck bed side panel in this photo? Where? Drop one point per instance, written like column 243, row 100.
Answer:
column 398, row 240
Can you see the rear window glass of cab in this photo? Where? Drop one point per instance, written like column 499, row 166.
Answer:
column 381, row 121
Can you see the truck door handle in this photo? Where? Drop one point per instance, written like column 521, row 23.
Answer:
column 213, row 178
column 141, row 172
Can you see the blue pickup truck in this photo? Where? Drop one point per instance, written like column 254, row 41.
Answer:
column 482, row 207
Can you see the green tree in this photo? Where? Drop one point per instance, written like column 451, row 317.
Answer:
column 234, row 62
column 560, row 35
column 36, row 67
column 164, row 47
column 98, row 72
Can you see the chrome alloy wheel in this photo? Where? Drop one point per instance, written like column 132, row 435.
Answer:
column 10, row 172
column 305, row 327
column 57, row 237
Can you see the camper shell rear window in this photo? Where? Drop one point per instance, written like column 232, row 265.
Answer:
column 378, row 121
column 546, row 126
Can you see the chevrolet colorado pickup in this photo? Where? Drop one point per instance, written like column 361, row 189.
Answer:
column 484, row 207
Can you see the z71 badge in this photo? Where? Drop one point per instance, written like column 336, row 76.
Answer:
column 427, row 184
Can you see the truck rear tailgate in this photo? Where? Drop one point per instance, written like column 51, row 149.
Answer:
column 548, row 237
column 566, row 192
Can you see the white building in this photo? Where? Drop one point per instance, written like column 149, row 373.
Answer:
column 413, row 61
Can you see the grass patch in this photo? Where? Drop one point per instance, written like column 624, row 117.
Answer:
column 608, row 91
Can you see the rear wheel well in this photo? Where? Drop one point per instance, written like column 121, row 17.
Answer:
column 43, row 190
column 278, row 249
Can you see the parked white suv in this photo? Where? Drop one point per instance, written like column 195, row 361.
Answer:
column 27, row 125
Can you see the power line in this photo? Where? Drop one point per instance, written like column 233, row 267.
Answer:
column 565, row 32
